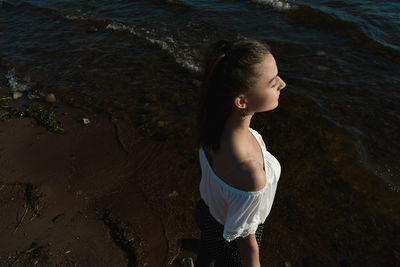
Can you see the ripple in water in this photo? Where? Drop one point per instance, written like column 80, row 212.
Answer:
column 14, row 84
column 178, row 50
column 278, row 5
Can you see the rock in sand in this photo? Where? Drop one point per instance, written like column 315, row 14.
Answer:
column 51, row 98
column 17, row 95
column 86, row 121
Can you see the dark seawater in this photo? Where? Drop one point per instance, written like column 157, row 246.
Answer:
column 144, row 57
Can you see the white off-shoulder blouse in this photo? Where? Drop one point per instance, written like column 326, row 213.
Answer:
column 239, row 211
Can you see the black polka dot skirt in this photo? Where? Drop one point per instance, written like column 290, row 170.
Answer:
column 214, row 250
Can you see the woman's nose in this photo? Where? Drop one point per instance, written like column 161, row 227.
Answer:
column 283, row 84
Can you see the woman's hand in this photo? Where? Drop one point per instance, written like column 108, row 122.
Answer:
column 249, row 251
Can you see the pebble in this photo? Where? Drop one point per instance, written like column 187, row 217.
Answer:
column 51, row 98
column 173, row 194
column 17, row 95
column 86, row 121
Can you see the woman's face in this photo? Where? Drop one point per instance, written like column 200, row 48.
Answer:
column 264, row 95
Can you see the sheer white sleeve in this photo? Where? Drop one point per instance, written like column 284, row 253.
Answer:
column 245, row 213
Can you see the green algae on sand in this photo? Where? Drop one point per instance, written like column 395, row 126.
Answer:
column 43, row 117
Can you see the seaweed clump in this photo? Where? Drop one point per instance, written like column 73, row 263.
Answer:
column 43, row 117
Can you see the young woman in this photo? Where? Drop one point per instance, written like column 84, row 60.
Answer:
column 239, row 176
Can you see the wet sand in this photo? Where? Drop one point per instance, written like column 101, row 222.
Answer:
column 107, row 195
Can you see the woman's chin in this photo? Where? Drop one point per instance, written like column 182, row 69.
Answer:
column 270, row 108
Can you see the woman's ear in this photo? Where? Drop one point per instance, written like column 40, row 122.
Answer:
column 240, row 101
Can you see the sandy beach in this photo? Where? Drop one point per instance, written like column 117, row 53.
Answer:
column 119, row 186
column 103, row 194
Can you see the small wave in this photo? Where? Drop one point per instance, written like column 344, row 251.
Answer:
column 79, row 14
column 167, row 44
column 384, row 171
column 277, row 4
column 77, row 17
column 14, row 84
column 174, row 4
column 329, row 21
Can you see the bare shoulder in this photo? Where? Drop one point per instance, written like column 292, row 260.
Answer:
column 250, row 176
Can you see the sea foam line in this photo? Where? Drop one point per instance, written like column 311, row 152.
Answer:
column 14, row 84
column 77, row 17
column 80, row 15
column 277, row 4
column 167, row 44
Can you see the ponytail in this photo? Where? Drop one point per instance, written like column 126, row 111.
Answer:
column 229, row 71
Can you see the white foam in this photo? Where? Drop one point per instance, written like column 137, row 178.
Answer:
column 14, row 84
column 277, row 4
column 77, row 17
column 80, row 15
column 180, row 51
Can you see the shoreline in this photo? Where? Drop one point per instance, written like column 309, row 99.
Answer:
column 110, row 196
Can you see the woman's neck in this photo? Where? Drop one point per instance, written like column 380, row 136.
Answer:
column 236, row 124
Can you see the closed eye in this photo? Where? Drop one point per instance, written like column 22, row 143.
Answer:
column 276, row 83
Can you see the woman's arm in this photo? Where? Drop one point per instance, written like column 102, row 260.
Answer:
column 248, row 249
column 255, row 180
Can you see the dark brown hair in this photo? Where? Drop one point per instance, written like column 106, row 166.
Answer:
column 229, row 71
